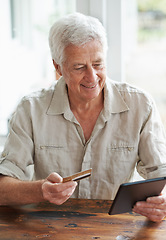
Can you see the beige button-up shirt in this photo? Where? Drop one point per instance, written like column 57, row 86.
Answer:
column 45, row 134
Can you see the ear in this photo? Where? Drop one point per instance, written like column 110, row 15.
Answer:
column 57, row 67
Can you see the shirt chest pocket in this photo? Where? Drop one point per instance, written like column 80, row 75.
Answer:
column 121, row 161
column 122, row 152
column 58, row 158
column 52, row 152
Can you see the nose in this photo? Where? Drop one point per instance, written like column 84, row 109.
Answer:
column 91, row 74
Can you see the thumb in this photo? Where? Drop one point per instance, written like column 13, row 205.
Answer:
column 55, row 178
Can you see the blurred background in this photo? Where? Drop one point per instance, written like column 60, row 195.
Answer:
column 137, row 46
column 146, row 65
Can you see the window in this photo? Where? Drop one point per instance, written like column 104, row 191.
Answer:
column 146, row 63
column 25, row 58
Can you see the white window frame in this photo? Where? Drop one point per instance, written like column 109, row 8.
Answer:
column 112, row 14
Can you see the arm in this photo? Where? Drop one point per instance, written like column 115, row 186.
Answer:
column 14, row 191
column 152, row 163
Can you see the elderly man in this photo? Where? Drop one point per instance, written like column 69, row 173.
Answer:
column 84, row 120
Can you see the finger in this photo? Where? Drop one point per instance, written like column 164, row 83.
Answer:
column 153, row 202
column 158, row 210
column 58, row 193
column 146, row 205
column 62, row 196
column 156, row 200
column 55, row 178
column 63, row 187
column 59, row 187
column 153, row 215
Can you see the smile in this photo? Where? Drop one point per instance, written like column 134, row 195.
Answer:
column 90, row 87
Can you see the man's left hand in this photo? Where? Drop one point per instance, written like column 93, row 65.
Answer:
column 154, row 208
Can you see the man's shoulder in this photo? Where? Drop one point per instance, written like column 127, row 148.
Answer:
column 45, row 93
column 126, row 88
column 38, row 100
column 39, row 94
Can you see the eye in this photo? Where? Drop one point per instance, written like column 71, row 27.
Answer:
column 98, row 65
column 79, row 68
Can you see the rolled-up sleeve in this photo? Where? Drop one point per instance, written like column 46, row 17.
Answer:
column 152, row 147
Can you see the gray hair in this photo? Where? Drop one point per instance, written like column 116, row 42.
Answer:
column 76, row 29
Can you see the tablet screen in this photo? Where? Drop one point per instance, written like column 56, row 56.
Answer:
column 130, row 193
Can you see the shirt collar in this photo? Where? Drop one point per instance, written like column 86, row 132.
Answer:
column 113, row 101
column 59, row 103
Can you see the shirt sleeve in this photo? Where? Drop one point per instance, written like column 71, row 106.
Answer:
column 152, row 146
column 17, row 157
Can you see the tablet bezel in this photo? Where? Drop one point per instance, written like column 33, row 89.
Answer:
column 130, row 193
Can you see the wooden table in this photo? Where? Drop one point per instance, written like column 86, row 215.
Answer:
column 76, row 219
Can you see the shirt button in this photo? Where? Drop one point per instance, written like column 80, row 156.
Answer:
column 3, row 154
column 130, row 149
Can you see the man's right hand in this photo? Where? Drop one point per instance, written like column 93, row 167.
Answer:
column 55, row 191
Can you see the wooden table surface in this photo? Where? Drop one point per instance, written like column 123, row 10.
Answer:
column 76, row 219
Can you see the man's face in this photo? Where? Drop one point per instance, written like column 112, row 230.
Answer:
column 84, row 71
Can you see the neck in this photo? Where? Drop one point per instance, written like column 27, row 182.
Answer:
column 87, row 113
column 82, row 107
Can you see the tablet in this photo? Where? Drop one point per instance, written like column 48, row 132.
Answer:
column 130, row 193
